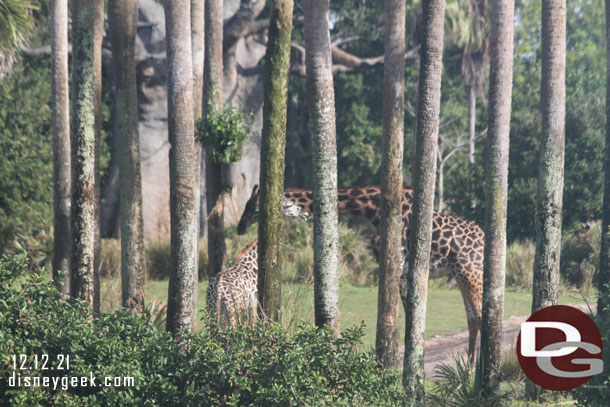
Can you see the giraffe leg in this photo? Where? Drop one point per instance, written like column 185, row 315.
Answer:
column 471, row 294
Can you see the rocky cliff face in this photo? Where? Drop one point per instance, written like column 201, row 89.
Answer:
column 243, row 87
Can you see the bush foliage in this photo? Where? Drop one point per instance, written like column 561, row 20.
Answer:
column 223, row 133
column 259, row 366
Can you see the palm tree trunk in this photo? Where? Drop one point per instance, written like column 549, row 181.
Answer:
column 390, row 229
column 273, row 145
column 123, row 19
column 82, row 284
column 472, row 114
column 428, row 108
column 213, row 99
column 182, row 167
column 321, row 97
column 61, row 143
column 500, row 89
column 550, row 169
column 603, row 299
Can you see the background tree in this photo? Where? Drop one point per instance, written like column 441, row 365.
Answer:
column 390, row 229
column 321, row 100
column 123, row 21
column 16, row 24
column 273, row 145
column 82, row 284
column 61, row 142
column 428, row 107
column 550, row 169
column 500, row 87
column 213, row 100
column 183, row 167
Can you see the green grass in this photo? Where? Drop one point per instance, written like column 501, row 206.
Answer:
column 445, row 314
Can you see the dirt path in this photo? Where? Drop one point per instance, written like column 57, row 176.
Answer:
column 442, row 349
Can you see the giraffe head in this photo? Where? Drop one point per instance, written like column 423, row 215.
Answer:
column 250, row 214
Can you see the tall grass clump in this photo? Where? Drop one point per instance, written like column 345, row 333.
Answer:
column 520, row 264
column 580, row 257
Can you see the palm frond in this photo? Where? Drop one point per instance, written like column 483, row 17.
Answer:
column 16, row 22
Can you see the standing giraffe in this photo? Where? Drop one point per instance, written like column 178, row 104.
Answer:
column 232, row 293
column 456, row 251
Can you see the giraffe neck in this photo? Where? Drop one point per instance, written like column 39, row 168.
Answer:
column 355, row 201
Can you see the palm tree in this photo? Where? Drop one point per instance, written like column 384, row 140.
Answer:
column 603, row 299
column 273, row 145
column 182, row 167
column 391, row 256
column 321, row 98
column 500, row 88
column 61, row 142
column 428, row 107
column 550, row 169
column 123, row 20
column 82, row 284
column 16, row 23
column 213, row 100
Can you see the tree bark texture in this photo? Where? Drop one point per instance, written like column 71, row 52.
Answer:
column 61, row 143
column 603, row 299
column 472, row 117
column 500, row 90
column 390, row 229
column 321, row 97
column 183, row 167
column 213, row 99
column 82, row 284
column 273, row 145
column 550, row 169
column 428, row 107
column 123, row 20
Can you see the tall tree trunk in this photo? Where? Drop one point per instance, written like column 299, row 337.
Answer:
column 440, row 193
column 500, row 90
column 472, row 114
column 321, row 97
column 390, row 229
column 82, row 284
column 213, row 100
column 197, row 45
column 98, row 36
column 182, row 166
column 428, row 108
column 61, row 143
column 550, row 169
column 273, row 143
column 123, row 19
column 603, row 299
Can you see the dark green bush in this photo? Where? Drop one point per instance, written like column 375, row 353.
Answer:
column 223, row 133
column 259, row 366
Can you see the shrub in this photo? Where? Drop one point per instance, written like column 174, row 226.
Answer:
column 520, row 264
column 580, row 256
column 223, row 134
column 239, row 366
column 158, row 255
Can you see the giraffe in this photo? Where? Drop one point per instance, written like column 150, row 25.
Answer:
column 233, row 291
column 456, row 249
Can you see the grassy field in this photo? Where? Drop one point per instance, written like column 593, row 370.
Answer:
column 445, row 314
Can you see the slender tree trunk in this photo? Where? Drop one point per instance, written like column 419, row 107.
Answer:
column 472, row 114
column 390, row 229
column 500, row 90
column 428, row 108
column 197, row 45
column 603, row 299
column 98, row 36
column 123, row 18
column 273, row 145
column 323, row 132
column 213, row 99
column 441, row 174
column 82, row 284
column 61, row 143
column 550, row 169
column 182, row 167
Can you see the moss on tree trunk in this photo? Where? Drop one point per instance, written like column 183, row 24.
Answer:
column 273, row 144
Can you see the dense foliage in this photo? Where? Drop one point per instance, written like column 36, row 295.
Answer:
column 222, row 133
column 260, row 366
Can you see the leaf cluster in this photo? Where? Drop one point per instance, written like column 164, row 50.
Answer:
column 222, row 133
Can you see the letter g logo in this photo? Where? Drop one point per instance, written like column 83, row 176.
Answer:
column 555, row 344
